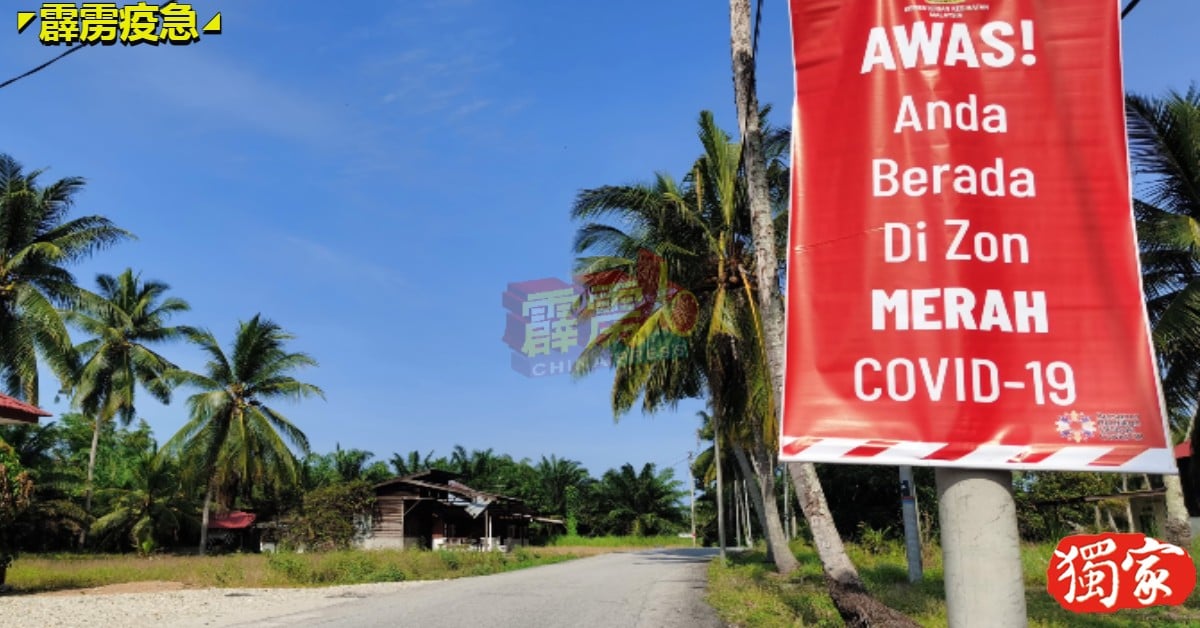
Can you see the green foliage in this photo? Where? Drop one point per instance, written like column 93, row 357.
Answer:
column 646, row 503
column 16, row 491
column 147, row 510
column 747, row 592
column 622, row 542
column 875, row 541
column 1164, row 134
column 1045, row 510
column 330, row 516
column 38, row 242
column 357, row 566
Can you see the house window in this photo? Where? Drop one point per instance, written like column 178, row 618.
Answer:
column 450, row 531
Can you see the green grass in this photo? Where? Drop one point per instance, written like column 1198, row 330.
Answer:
column 748, row 593
column 48, row 573
column 621, row 542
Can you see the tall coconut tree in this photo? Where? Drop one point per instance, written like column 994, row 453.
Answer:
column 38, row 242
column 233, row 441
column 124, row 318
column 688, row 245
column 1164, row 138
column 846, row 587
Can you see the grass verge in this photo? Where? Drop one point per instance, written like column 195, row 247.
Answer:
column 748, row 593
column 621, row 542
column 49, row 573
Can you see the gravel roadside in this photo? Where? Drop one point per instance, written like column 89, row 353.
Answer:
column 184, row 608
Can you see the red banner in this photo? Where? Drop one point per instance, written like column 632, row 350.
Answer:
column 963, row 284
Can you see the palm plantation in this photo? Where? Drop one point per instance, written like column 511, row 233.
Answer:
column 1165, row 146
column 38, row 242
column 639, row 503
column 149, row 508
column 123, row 319
column 233, row 441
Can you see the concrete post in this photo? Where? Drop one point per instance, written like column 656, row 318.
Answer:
column 912, row 530
column 981, row 550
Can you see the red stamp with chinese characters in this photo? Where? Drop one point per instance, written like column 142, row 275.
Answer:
column 1103, row 573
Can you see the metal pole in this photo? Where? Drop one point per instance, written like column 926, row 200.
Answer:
column 692, row 482
column 912, row 529
column 981, row 553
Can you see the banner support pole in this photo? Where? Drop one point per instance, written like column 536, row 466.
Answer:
column 981, row 550
column 912, row 529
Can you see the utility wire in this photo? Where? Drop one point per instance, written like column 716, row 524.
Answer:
column 42, row 66
column 1129, row 7
column 47, row 64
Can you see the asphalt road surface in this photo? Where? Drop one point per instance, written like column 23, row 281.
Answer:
column 652, row 589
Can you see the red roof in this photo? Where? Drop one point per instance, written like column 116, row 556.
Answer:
column 16, row 410
column 232, row 520
column 1183, row 450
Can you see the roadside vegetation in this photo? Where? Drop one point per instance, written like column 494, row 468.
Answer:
column 748, row 593
column 284, row 569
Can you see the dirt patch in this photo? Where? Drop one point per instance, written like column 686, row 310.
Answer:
column 149, row 586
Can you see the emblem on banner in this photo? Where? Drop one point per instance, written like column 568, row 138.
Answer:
column 1076, row 426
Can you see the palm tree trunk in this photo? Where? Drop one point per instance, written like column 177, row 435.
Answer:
column 1178, row 526
column 720, row 488
column 761, row 473
column 737, row 514
column 853, row 602
column 91, row 475
column 204, row 518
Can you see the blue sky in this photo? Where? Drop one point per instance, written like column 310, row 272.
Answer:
column 372, row 179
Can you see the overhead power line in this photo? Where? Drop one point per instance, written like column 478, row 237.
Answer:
column 1129, row 7
column 68, row 51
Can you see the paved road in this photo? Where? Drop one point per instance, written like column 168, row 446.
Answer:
column 653, row 589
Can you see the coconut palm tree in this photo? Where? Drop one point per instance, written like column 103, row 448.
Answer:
column 849, row 595
column 699, row 230
column 123, row 318
column 1164, row 136
column 233, row 441
column 37, row 244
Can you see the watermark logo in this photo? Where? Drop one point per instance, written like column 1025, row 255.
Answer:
column 1103, row 573
column 549, row 322
column 106, row 23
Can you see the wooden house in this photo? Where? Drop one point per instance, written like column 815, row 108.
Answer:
column 433, row 510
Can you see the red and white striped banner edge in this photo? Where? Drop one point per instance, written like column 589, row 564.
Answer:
column 1130, row 458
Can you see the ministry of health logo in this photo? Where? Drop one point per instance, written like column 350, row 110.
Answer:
column 1075, row 426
